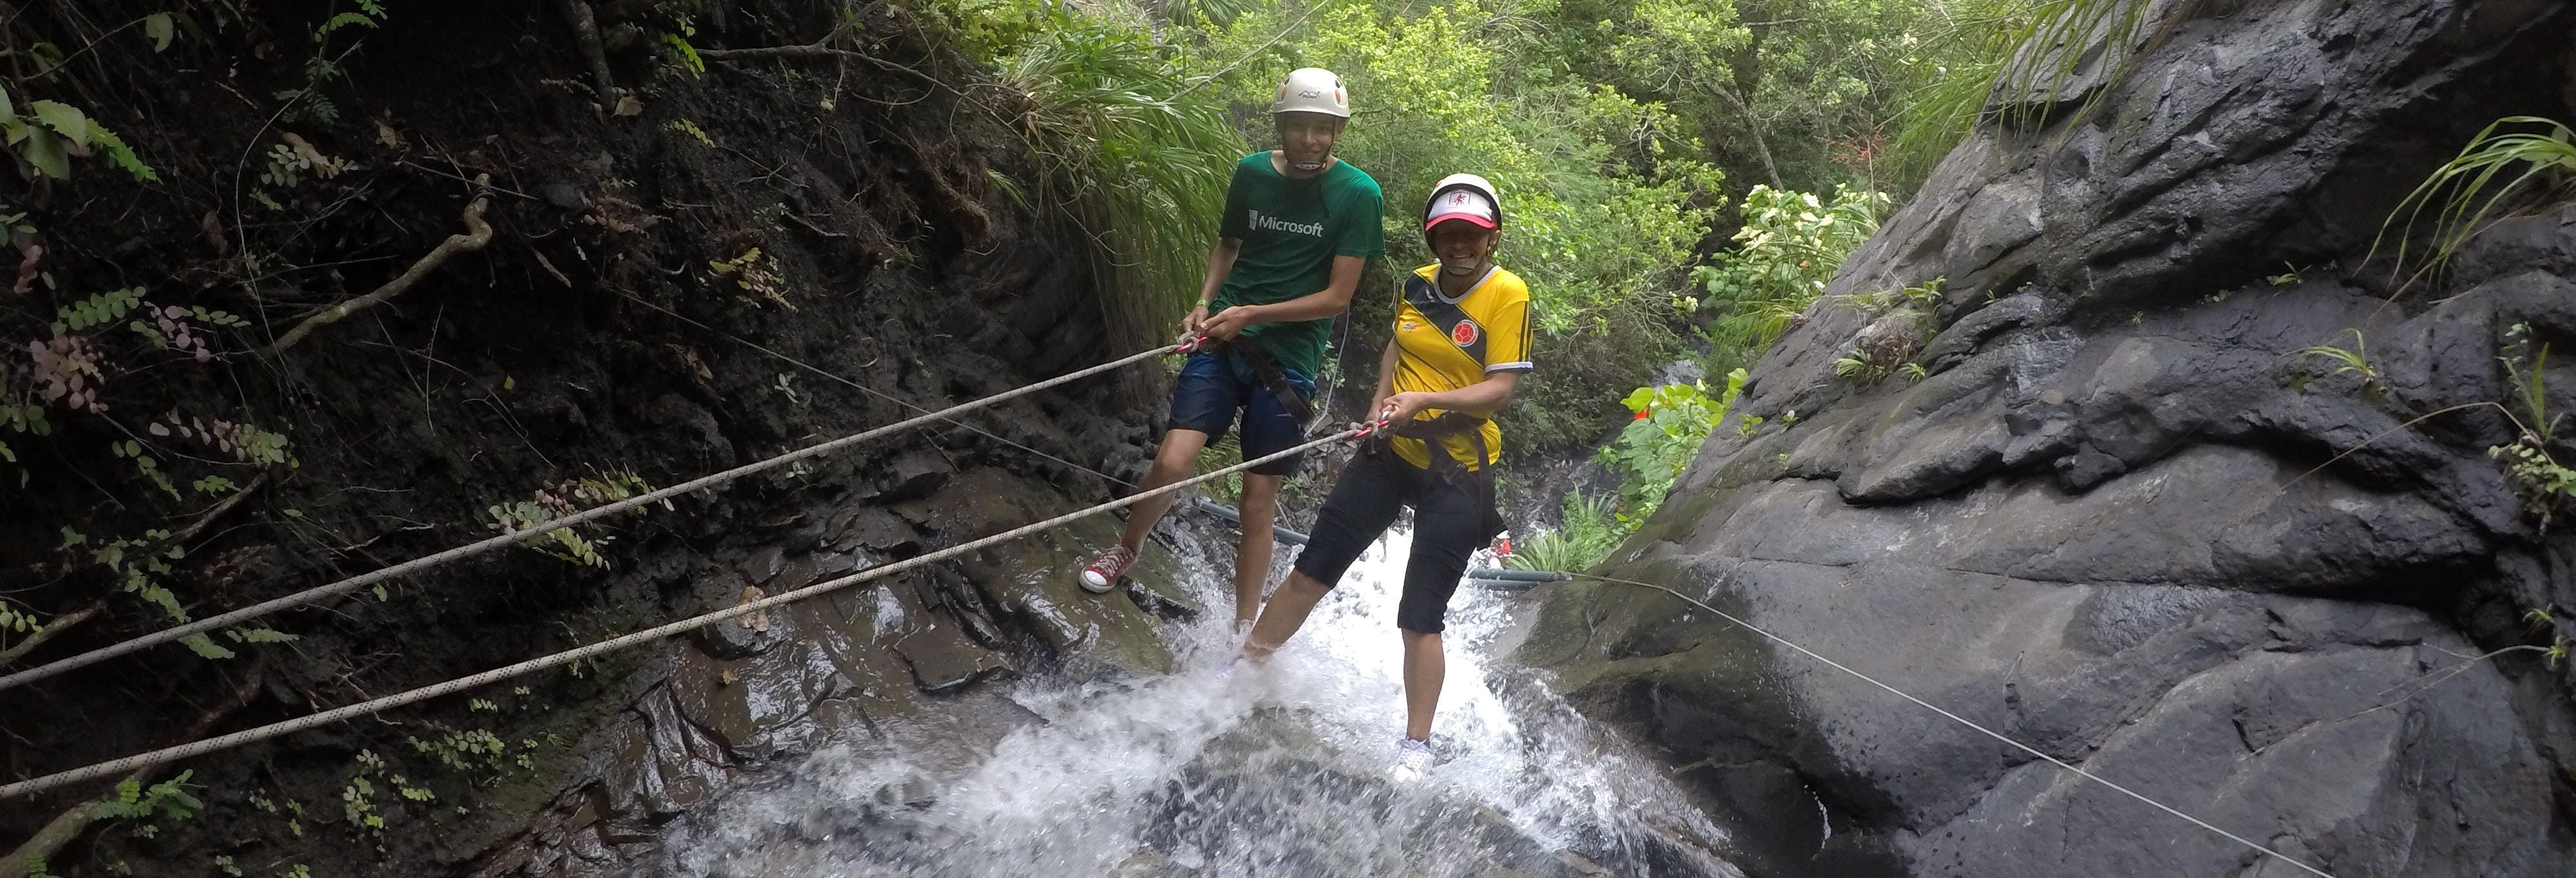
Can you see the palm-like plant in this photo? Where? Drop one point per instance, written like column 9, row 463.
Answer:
column 1129, row 151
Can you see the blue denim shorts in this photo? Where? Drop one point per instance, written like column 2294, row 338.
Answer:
column 1216, row 384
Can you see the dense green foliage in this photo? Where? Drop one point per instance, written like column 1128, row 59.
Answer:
column 1681, row 178
column 1585, row 535
column 1135, row 154
column 1789, row 246
column 1670, row 423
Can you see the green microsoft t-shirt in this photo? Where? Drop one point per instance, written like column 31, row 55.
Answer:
column 1291, row 230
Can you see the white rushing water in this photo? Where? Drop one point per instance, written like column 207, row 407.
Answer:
column 1227, row 769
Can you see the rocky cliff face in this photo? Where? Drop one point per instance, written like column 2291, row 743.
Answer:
column 2122, row 518
column 590, row 336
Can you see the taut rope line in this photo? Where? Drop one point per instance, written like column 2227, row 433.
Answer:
column 468, row 550
column 1999, row 736
column 284, row 727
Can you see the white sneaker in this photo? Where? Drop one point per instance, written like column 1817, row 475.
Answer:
column 1412, row 759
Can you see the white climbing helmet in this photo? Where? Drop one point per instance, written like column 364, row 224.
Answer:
column 1462, row 197
column 1312, row 90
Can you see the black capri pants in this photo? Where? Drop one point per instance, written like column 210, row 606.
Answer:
column 1451, row 519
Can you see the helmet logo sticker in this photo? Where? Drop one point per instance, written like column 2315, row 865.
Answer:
column 1465, row 334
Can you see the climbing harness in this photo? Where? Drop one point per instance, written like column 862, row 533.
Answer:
column 1534, row 577
column 559, row 659
column 1264, row 371
column 1478, row 482
column 522, row 535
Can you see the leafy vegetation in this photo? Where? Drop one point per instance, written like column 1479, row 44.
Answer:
column 1670, row 423
column 562, row 499
column 2495, row 166
column 169, row 798
column 2355, row 360
column 1788, row 248
column 1125, row 146
column 1587, row 532
column 2548, row 485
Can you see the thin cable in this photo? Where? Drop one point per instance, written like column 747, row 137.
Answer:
column 262, row 733
column 524, row 534
column 1340, row 356
column 2026, row 748
column 1202, row 504
column 871, row 391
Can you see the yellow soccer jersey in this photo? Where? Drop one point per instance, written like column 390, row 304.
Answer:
column 1444, row 344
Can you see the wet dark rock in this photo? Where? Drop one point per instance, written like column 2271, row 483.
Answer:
column 763, row 564
column 2124, row 519
column 913, row 474
column 874, row 527
column 1157, row 596
column 944, row 658
column 736, row 638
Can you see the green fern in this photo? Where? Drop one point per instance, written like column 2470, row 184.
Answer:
column 169, row 798
column 98, row 310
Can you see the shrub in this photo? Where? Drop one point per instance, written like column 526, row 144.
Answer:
column 1790, row 245
column 1588, row 533
column 1671, row 421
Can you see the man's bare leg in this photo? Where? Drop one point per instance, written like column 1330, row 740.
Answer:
column 1283, row 615
column 1252, row 556
column 1174, row 461
column 1424, row 666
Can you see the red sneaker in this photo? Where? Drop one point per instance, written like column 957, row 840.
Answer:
column 1103, row 572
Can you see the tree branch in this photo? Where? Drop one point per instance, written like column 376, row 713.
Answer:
column 67, row 621
column 821, row 48
column 52, row 629
column 585, row 33
column 478, row 233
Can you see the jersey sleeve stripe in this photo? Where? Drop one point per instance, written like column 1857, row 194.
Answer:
column 1522, row 366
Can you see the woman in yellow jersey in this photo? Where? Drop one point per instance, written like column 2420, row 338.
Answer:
column 1462, row 340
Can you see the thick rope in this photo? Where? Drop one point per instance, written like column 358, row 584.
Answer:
column 1999, row 736
column 522, row 535
column 262, row 733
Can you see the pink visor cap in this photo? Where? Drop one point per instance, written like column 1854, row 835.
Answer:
column 1462, row 204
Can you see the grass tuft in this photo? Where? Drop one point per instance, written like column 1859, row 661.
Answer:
column 1135, row 159
column 2465, row 192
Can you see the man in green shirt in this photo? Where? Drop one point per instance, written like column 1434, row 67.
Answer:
column 1299, row 225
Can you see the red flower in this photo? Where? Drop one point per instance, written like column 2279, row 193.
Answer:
column 1641, row 414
